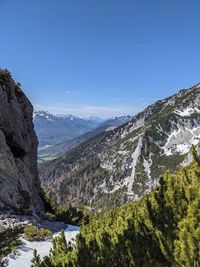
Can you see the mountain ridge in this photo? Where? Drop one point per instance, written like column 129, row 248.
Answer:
column 62, row 148
column 54, row 129
column 126, row 163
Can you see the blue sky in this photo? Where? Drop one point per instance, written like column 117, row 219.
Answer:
column 100, row 57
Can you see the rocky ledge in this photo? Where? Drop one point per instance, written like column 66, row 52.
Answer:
column 13, row 221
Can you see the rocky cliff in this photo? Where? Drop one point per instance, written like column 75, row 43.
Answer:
column 19, row 183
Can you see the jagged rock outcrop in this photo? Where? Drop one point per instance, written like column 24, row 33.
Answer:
column 19, row 183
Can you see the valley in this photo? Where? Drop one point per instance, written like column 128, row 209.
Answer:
column 115, row 166
column 50, row 152
column 126, row 184
column 99, row 133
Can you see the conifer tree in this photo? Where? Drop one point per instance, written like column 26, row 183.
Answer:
column 36, row 261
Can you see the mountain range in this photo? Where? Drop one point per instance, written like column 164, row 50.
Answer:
column 54, row 129
column 125, row 163
column 52, row 151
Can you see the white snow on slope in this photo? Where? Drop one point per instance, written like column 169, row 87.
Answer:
column 181, row 140
column 187, row 112
column 25, row 251
column 147, row 167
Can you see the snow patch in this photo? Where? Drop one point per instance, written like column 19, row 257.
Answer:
column 111, row 128
column 25, row 251
column 181, row 140
column 147, row 167
column 108, row 165
column 187, row 111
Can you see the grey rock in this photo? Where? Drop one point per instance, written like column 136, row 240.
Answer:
column 19, row 183
column 18, row 221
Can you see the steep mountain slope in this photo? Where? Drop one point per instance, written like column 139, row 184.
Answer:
column 127, row 162
column 61, row 149
column 162, row 229
column 117, row 121
column 19, row 183
column 55, row 129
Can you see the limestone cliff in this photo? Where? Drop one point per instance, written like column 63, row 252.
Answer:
column 19, row 183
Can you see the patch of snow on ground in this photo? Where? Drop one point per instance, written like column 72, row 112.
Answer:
column 110, row 128
column 182, row 148
column 122, row 152
column 187, row 112
column 25, row 251
column 108, row 165
column 147, row 167
column 103, row 185
column 181, row 141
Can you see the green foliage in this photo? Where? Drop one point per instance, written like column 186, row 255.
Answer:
column 5, row 77
column 73, row 215
column 66, row 213
column 195, row 156
column 9, row 240
column 162, row 229
column 60, row 249
column 33, row 233
column 50, row 203
column 18, row 89
column 7, row 82
column 36, row 261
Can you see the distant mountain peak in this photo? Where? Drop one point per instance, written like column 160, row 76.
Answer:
column 64, row 115
column 54, row 129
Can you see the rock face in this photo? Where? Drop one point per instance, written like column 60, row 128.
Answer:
column 127, row 162
column 19, row 183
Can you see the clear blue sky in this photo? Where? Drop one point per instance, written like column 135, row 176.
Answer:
column 100, row 57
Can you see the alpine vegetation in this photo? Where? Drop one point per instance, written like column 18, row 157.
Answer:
column 161, row 229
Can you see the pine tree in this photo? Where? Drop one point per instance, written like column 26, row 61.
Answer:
column 36, row 261
column 60, row 250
